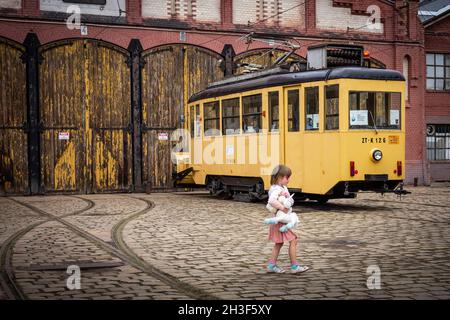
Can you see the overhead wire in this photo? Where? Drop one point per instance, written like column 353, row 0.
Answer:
column 259, row 21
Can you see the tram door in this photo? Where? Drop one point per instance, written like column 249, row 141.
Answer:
column 293, row 150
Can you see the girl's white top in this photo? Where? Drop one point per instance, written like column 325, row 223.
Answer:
column 275, row 191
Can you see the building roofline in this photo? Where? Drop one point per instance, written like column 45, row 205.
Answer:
column 437, row 15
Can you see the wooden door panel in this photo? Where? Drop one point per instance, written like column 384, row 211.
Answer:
column 171, row 75
column 61, row 164
column 112, row 162
column 85, row 91
column 61, row 97
column 13, row 118
column 109, row 109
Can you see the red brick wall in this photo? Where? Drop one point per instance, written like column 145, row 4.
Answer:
column 134, row 11
column 387, row 48
column 415, row 117
column 437, row 104
column 310, row 16
column 226, row 12
column 30, row 8
column 439, row 26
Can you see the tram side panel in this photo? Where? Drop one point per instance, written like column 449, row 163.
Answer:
column 245, row 155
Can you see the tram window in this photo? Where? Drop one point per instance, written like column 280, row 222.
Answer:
column 293, row 110
column 230, row 116
column 251, row 109
column 211, row 114
column 195, row 121
column 375, row 110
column 332, row 107
column 198, row 123
column 312, row 108
column 438, row 142
column 192, row 119
column 274, row 107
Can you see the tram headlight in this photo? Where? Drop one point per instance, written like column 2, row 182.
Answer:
column 377, row 155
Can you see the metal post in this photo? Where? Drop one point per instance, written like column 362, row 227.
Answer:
column 136, row 64
column 228, row 65
column 32, row 60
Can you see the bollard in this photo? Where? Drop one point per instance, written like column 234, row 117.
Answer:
column 416, row 181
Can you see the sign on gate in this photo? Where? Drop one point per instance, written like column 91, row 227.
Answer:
column 63, row 136
column 163, row 136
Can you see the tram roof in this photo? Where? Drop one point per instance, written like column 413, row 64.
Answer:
column 287, row 78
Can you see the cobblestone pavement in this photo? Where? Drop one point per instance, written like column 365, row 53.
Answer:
column 193, row 246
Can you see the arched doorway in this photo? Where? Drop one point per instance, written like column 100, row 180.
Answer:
column 85, row 112
column 264, row 57
column 172, row 73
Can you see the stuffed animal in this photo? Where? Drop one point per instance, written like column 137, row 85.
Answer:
column 290, row 219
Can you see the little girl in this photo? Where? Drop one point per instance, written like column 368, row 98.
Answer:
column 279, row 180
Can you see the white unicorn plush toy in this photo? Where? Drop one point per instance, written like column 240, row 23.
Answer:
column 290, row 218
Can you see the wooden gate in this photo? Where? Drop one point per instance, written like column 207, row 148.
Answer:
column 13, row 119
column 171, row 74
column 85, row 117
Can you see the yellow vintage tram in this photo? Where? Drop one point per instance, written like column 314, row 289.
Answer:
column 340, row 130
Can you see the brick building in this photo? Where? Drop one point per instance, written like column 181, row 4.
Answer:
column 57, row 74
column 435, row 16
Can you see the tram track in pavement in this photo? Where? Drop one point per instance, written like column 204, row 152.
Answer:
column 7, row 277
column 411, row 203
column 117, row 236
column 334, row 207
column 118, row 249
column 338, row 208
column 206, row 195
